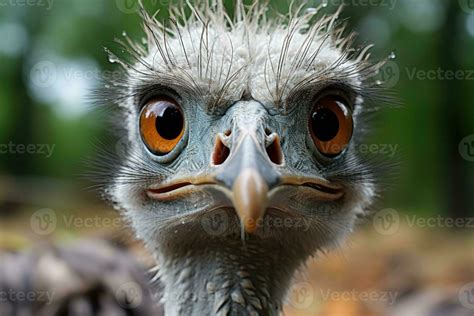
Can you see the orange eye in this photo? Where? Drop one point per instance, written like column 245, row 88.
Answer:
column 161, row 125
column 331, row 125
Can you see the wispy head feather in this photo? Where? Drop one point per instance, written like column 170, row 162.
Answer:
column 256, row 53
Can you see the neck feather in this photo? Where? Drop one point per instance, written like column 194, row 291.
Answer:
column 239, row 278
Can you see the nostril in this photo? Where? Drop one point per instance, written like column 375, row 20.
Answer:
column 220, row 153
column 274, row 151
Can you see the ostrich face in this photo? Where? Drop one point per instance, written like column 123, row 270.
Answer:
column 251, row 121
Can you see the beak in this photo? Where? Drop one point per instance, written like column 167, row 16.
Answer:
column 249, row 174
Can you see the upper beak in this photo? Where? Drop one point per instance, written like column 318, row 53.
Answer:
column 249, row 174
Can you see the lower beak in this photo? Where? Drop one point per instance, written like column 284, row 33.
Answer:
column 249, row 175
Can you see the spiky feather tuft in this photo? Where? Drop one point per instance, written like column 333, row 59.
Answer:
column 223, row 58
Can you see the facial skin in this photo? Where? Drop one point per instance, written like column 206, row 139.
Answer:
column 272, row 172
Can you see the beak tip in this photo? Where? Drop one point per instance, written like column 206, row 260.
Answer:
column 250, row 224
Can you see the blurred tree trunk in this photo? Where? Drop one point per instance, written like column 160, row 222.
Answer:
column 23, row 105
column 455, row 180
column 23, row 114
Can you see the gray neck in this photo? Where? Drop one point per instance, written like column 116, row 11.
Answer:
column 227, row 279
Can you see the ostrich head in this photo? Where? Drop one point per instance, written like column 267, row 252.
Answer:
column 241, row 155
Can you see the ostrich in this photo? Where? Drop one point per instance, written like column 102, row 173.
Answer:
column 241, row 160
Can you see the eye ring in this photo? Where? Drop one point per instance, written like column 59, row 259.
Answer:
column 331, row 125
column 162, row 125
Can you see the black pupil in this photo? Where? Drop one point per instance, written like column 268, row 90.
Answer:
column 324, row 124
column 170, row 124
